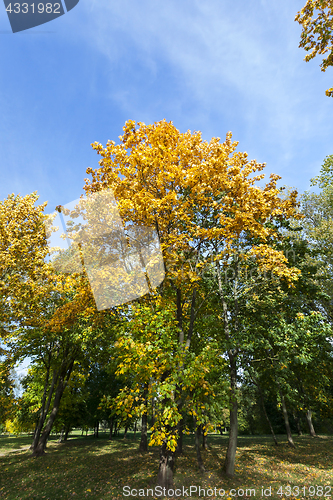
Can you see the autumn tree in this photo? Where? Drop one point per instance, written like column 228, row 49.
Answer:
column 149, row 353
column 23, row 249
column 200, row 197
column 46, row 314
column 316, row 18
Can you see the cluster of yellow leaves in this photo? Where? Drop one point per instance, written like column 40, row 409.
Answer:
column 176, row 182
column 16, row 427
column 32, row 293
column 317, row 33
column 273, row 260
column 22, row 252
column 164, row 428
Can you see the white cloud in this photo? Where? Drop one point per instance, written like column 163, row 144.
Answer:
column 231, row 58
column 208, row 65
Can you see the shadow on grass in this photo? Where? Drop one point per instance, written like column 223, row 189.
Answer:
column 100, row 468
column 12, row 442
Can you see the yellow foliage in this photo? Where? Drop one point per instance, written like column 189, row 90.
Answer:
column 163, row 178
column 317, row 32
column 15, row 427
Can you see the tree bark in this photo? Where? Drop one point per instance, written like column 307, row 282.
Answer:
column 39, row 448
column 197, row 446
column 111, row 427
column 268, row 421
column 143, row 441
column 264, row 409
column 165, row 472
column 284, row 408
column 298, row 426
column 144, row 421
column 286, row 420
column 204, row 441
column 61, row 435
column 45, row 406
column 229, row 465
column 68, row 428
column 308, row 416
column 180, row 426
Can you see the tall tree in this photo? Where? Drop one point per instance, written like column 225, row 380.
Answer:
column 23, row 249
column 45, row 314
column 200, row 197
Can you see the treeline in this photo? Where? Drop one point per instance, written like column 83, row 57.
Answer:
column 238, row 335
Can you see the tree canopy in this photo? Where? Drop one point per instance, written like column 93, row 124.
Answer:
column 242, row 319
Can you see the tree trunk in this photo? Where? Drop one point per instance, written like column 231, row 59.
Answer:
column 33, row 435
column 153, row 407
column 265, row 412
column 143, row 441
column 284, row 408
column 144, row 423
column 39, row 448
column 197, row 447
column 97, row 429
column 180, row 426
column 204, row 441
column 45, row 407
column 61, row 435
column 269, row 423
column 229, row 465
column 286, row 420
column 165, row 472
column 308, row 416
column 111, row 427
column 299, row 430
column 125, row 433
column 68, row 428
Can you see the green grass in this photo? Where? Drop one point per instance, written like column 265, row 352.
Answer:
column 89, row 468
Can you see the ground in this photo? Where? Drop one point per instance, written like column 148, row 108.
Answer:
column 89, row 468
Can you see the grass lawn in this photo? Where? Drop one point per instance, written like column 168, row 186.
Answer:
column 89, row 468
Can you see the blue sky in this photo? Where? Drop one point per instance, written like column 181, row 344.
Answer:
column 213, row 65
